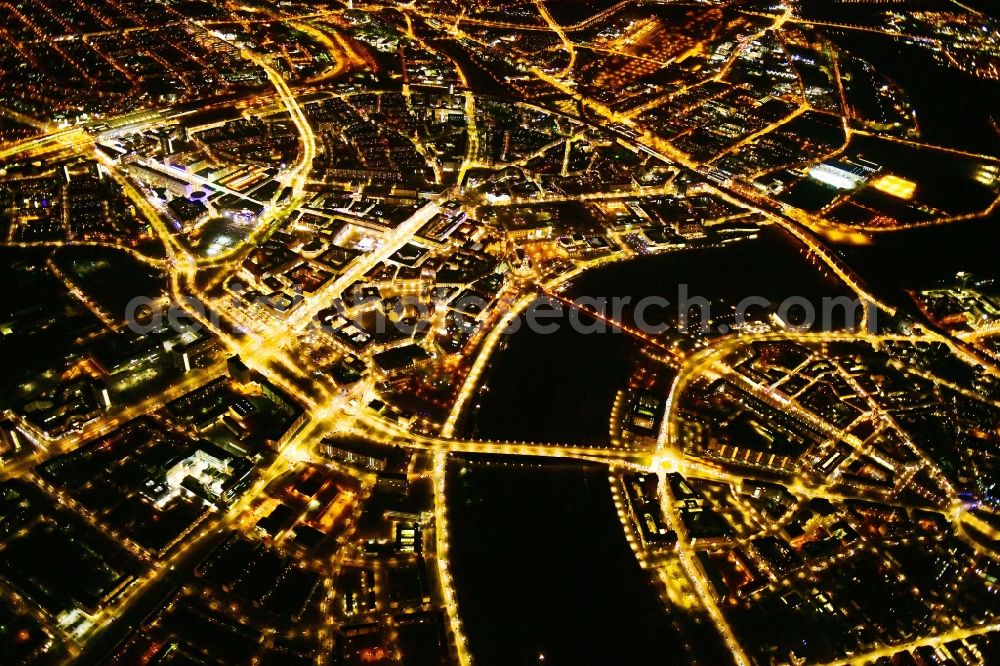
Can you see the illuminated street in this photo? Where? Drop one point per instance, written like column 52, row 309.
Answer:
column 500, row 332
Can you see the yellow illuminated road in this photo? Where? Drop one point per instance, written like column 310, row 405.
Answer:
column 277, row 347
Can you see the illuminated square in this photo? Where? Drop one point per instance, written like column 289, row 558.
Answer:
column 895, row 186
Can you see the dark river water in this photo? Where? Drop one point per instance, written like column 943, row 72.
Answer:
column 926, row 257
column 538, row 552
column 560, row 386
column 542, row 567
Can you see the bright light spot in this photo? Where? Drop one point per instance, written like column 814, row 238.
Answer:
column 988, row 175
column 835, row 177
column 895, row 186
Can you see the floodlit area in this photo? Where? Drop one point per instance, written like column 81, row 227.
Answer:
column 895, row 186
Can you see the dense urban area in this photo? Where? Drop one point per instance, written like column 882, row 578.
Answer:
column 275, row 387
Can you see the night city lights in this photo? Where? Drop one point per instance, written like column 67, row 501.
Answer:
column 500, row 332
